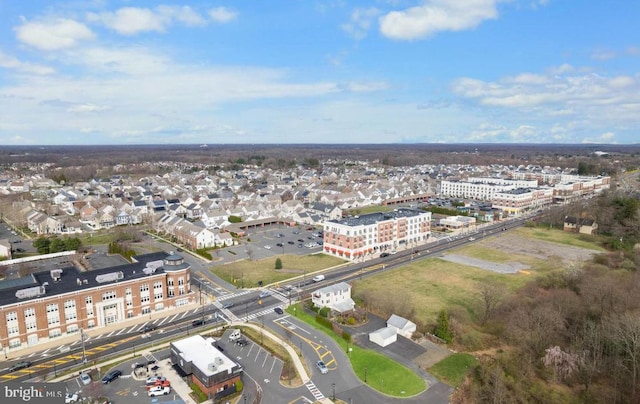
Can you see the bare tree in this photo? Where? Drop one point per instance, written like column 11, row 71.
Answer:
column 491, row 294
column 625, row 331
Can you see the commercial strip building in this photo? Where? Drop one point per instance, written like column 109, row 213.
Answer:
column 519, row 200
column 198, row 359
column 46, row 305
column 362, row 236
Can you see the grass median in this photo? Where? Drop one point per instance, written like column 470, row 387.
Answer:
column 378, row 371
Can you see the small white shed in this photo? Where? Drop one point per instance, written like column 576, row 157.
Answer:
column 405, row 327
column 384, row 336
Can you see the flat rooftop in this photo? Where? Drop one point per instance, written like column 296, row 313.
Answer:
column 203, row 354
column 373, row 218
column 42, row 284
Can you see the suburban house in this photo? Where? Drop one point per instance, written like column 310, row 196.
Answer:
column 403, row 326
column 580, row 225
column 384, row 336
column 198, row 359
column 336, row 297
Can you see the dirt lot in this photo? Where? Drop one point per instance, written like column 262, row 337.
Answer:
column 504, row 253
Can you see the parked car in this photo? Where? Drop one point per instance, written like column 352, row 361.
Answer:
column 71, row 398
column 19, row 366
column 301, row 240
column 242, row 342
column 148, row 328
column 267, row 247
column 159, row 383
column 291, row 242
column 278, row 310
column 85, row 378
column 151, row 381
column 383, row 255
column 159, row 391
column 111, row 376
column 235, row 335
column 322, row 367
column 279, row 245
column 20, row 249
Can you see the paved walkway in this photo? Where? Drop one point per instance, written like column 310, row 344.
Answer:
column 94, row 332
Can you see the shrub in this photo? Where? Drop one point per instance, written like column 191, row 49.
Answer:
column 203, row 253
column 351, row 321
column 346, row 336
column 234, row 219
column 324, row 312
column 239, row 386
column 199, row 394
column 443, row 328
column 278, row 263
column 324, row 321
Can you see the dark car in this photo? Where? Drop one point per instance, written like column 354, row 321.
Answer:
column 278, row 310
column 301, row 240
column 197, row 323
column 280, row 245
column 20, row 249
column 19, row 366
column 290, row 242
column 227, row 305
column 111, row 376
column 242, row 342
column 383, row 255
column 148, row 328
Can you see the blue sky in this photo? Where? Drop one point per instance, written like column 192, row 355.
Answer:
column 293, row 71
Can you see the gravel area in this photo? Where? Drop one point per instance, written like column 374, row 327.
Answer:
column 503, row 268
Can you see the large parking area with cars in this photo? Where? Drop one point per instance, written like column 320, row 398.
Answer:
column 273, row 240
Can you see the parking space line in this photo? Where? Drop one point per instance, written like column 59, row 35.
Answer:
column 272, row 365
column 265, row 360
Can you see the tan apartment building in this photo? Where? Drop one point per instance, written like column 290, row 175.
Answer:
column 366, row 235
column 61, row 301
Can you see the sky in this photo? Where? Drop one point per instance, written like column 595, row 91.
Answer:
column 324, row 72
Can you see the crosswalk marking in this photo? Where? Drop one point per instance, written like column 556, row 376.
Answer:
column 317, row 394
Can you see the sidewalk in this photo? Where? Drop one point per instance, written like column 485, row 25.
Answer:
column 94, row 332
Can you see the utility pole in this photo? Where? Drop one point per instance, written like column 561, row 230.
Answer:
column 84, row 353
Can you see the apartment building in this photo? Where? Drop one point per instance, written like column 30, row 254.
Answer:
column 361, row 236
column 49, row 304
column 517, row 201
column 481, row 188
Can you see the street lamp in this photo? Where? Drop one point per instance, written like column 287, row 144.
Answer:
column 84, row 353
column 333, row 386
column 365, row 374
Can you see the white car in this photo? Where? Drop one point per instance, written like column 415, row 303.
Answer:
column 85, row 378
column 71, row 398
column 322, row 367
column 268, row 247
column 159, row 391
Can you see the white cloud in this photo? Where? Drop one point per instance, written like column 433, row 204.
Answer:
column 134, row 20
column 360, row 22
column 131, row 20
column 222, row 15
column 10, row 62
column 87, row 108
column 437, row 16
column 183, row 14
column 55, row 34
column 366, row 87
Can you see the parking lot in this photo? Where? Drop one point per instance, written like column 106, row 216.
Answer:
column 129, row 388
column 273, row 240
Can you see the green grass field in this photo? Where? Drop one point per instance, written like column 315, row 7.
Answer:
column 562, row 237
column 454, row 368
column 248, row 273
column 431, row 285
column 379, row 371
